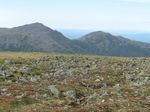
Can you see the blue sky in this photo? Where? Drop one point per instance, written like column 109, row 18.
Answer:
column 78, row 14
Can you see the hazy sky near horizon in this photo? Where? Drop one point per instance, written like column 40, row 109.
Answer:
column 78, row 14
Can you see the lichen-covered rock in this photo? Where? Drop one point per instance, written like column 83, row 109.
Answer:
column 35, row 78
column 54, row 90
column 70, row 94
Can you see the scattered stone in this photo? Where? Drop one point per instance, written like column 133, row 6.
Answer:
column 54, row 90
column 103, row 101
column 22, row 79
column 148, row 98
column 70, row 94
column 97, row 80
column 117, row 87
column 19, row 96
column 35, row 78
column 4, row 90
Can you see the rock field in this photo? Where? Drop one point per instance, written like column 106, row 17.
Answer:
column 73, row 83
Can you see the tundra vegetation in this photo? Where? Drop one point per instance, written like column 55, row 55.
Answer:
column 49, row 82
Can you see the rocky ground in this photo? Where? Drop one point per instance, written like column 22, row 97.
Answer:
column 36, row 82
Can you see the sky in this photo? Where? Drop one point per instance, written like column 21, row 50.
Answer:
column 78, row 14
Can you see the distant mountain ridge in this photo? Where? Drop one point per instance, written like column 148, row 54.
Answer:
column 37, row 37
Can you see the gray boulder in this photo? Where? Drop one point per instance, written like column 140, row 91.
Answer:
column 54, row 90
column 70, row 94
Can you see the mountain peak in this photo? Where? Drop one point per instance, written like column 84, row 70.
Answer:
column 97, row 35
column 36, row 24
column 38, row 27
column 100, row 33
